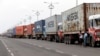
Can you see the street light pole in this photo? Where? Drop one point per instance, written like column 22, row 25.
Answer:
column 30, row 19
column 51, row 7
column 25, row 21
column 37, row 14
column 76, row 2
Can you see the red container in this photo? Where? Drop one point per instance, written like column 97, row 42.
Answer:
column 29, row 29
column 20, row 30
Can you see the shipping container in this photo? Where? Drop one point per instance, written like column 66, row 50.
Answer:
column 39, row 28
column 52, row 26
column 29, row 30
column 77, row 19
column 9, row 33
column 20, row 31
column 13, row 32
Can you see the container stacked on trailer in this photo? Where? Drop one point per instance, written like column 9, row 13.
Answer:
column 9, row 33
column 20, row 31
column 52, row 27
column 77, row 19
column 13, row 32
column 29, row 31
column 39, row 29
column 66, row 27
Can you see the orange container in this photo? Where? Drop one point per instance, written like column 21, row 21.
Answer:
column 20, row 30
column 29, row 29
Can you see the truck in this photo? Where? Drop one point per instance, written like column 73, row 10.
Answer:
column 9, row 33
column 52, row 25
column 39, row 29
column 29, row 31
column 78, row 19
column 20, row 31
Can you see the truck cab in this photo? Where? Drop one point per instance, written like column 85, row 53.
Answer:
column 94, row 29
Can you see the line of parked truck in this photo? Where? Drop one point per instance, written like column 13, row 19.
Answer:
column 65, row 27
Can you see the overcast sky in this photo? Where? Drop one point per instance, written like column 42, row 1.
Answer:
column 12, row 12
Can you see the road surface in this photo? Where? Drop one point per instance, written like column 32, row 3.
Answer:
column 32, row 47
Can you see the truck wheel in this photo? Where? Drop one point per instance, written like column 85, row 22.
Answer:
column 69, row 40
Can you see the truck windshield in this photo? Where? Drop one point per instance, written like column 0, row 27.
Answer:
column 97, row 22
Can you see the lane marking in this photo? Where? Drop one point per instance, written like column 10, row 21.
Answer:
column 9, row 51
column 7, row 48
column 47, row 48
column 40, row 46
column 12, row 54
column 59, row 51
column 74, row 55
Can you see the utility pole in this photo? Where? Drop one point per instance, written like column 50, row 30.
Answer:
column 30, row 19
column 51, row 7
column 25, row 21
column 76, row 2
column 37, row 13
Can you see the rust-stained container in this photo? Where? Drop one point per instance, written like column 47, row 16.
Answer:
column 76, row 19
column 29, row 29
column 20, row 30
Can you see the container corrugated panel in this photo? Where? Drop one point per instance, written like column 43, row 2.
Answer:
column 13, row 31
column 29, row 29
column 73, row 19
column 20, row 30
column 39, row 26
column 52, row 22
column 76, row 19
column 9, row 32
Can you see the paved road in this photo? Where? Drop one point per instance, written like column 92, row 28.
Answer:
column 3, row 50
column 32, row 47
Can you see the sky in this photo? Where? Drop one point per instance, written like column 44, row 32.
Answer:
column 15, row 12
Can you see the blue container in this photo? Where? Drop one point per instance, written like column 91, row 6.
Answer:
column 39, row 27
column 14, row 31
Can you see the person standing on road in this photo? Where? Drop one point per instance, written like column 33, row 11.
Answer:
column 85, row 37
column 80, row 38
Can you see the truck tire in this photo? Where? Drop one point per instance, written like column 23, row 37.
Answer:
column 65, row 39
column 69, row 40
